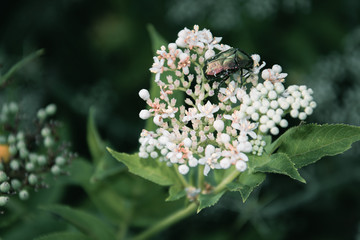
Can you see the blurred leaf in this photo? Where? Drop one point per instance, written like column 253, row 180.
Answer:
column 84, row 222
column 102, row 193
column 152, row 170
column 64, row 235
column 208, row 200
column 20, row 64
column 246, row 183
column 105, row 164
column 176, row 192
column 157, row 41
column 275, row 163
column 306, row 144
column 96, row 145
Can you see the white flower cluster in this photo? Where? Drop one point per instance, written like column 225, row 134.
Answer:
column 222, row 121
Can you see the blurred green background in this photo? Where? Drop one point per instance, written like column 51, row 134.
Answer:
column 98, row 54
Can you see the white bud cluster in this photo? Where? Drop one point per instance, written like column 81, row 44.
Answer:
column 221, row 133
column 27, row 155
column 258, row 145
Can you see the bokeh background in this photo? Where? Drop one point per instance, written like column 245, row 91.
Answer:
column 97, row 53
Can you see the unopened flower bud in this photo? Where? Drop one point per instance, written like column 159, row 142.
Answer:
column 3, row 176
column 23, row 194
column 183, row 169
column 32, row 179
column 144, row 114
column 219, row 125
column 144, row 94
column 240, row 166
column 4, row 187
column 3, row 200
column 50, row 109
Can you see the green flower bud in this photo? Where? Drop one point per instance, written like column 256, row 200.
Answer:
column 41, row 160
column 29, row 166
column 33, row 157
column 41, row 114
column 3, row 176
column 45, row 132
column 20, row 144
column 5, row 187
column 14, row 164
column 23, row 152
column 48, row 141
column 32, row 179
column 15, row 184
column 11, row 139
column 12, row 150
column 20, row 136
column 50, row 109
column 60, row 161
column 23, row 195
column 55, row 170
column 13, row 107
column 3, row 200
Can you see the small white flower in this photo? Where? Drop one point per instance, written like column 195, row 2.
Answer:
column 191, row 114
column 158, row 120
column 210, row 159
column 157, row 68
column 209, row 53
column 207, row 110
column 246, row 127
column 229, row 93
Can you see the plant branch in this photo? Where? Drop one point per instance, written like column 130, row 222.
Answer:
column 163, row 224
column 234, row 174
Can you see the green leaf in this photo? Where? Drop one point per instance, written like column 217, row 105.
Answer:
column 176, row 192
column 150, row 169
column 156, row 39
column 64, row 235
column 246, row 183
column 84, row 222
column 96, row 145
column 105, row 165
column 275, row 163
column 306, row 144
column 20, row 64
column 208, row 200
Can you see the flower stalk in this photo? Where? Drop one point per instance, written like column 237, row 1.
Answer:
column 170, row 220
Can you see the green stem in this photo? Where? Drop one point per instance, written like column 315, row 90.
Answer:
column 234, row 174
column 200, row 176
column 163, row 224
column 181, row 177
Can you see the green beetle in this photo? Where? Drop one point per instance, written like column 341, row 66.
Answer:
column 220, row 66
